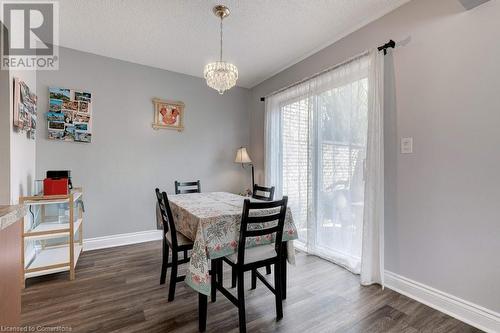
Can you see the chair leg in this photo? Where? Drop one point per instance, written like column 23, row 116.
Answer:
column 213, row 277
column 241, row 302
column 233, row 278
column 278, row 278
column 220, row 267
column 164, row 263
column 283, row 272
column 173, row 276
column 254, row 279
column 268, row 269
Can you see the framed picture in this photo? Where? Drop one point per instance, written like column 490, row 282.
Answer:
column 70, row 115
column 168, row 114
column 24, row 117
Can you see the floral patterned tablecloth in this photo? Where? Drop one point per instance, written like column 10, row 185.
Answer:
column 213, row 221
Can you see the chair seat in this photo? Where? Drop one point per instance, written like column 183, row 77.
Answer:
column 181, row 239
column 254, row 254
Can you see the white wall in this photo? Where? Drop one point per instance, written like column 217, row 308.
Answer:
column 127, row 159
column 442, row 223
column 22, row 149
column 17, row 152
column 4, row 138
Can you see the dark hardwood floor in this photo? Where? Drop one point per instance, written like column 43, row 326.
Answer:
column 118, row 290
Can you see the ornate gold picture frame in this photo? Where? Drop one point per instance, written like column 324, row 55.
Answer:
column 168, row 114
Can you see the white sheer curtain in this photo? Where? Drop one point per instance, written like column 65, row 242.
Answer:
column 372, row 263
column 316, row 147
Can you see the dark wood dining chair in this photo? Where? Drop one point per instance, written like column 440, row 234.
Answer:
column 263, row 193
column 187, row 187
column 171, row 240
column 250, row 259
column 266, row 194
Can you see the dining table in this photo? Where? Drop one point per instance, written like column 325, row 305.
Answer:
column 212, row 221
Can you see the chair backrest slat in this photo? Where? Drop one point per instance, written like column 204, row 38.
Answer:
column 167, row 216
column 180, row 187
column 266, row 214
column 263, row 218
column 267, row 191
column 261, row 232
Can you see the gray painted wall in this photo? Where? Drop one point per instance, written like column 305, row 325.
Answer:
column 127, row 159
column 442, row 224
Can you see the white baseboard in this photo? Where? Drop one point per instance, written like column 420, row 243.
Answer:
column 470, row 313
column 121, row 239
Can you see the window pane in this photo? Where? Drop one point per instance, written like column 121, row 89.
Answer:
column 295, row 161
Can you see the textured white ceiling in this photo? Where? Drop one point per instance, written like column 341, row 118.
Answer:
column 261, row 37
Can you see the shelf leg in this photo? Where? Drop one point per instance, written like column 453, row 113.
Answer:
column 80, row 215
column 23, row 280
column 71, row 237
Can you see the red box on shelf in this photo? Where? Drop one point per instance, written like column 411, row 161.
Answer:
column 55, row 186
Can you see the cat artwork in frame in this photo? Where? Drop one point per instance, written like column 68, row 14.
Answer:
column 168, row 114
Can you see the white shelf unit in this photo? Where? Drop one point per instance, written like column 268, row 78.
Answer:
column 51, row 256
column 51, row 229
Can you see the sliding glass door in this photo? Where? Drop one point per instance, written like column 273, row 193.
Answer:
column 339, row 186
column 323, row 135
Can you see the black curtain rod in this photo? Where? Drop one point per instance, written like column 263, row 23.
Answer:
column 389, row 44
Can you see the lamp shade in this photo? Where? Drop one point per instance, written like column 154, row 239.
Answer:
column 242, row 156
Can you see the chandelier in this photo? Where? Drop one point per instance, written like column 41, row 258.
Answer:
column 221, row 75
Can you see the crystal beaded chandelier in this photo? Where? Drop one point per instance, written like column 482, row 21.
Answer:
column 221, row 75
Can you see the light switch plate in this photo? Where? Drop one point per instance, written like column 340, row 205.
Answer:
column 407, row 145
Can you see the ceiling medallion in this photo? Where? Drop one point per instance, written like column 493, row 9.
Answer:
column 221, row 75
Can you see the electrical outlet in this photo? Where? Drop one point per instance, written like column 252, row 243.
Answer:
column 407, row 145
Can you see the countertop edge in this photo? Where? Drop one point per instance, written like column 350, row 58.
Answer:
column 11, row 214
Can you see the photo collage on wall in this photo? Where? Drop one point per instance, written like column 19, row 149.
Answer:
column 70, row 115
column 24, row 108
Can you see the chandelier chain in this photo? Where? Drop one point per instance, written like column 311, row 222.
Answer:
column 221, row 38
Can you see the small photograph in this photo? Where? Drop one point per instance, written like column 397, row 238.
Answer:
column 67, row 116
column 83, row 136
column 83, row 96
column 55, row 105
column 55, row 116
column 26, row 119
column 80, row 118
column 70, row 105
column 25, row 92
column 69, row 133
column 81, row 127
column 22, row 114
column 56, row 125
column 30, row 108
column 27, row 97
column 33, row 122
column 60, row 93
column 56, row 135
column 84, row 107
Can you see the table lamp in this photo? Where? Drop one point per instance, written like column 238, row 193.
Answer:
column 243, row 158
